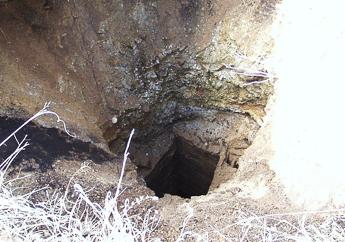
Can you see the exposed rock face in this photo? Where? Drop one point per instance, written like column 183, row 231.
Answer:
column 168, row 68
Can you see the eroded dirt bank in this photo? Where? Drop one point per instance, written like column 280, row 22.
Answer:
column 157, row 66
column 189, row 76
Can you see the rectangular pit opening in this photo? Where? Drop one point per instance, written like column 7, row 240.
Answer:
column 184, row 171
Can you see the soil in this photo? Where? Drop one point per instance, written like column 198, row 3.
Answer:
column 250, row 190
column 189, row 76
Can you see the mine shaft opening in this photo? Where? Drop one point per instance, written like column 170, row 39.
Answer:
column 185, row 171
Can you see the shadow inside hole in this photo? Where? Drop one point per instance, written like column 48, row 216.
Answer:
column 46, row 145
column 184, row 171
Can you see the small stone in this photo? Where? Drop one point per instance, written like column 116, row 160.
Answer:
column 114, row 119
column 151, row 75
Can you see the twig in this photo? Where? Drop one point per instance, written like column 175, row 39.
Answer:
column 256, row 82
column 248, row 73
column 43, row 111
column 125, row 157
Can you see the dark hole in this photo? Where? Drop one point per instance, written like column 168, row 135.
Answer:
column 184, row 171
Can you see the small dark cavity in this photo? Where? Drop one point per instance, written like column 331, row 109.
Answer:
column 184, row 171
column 46, row 145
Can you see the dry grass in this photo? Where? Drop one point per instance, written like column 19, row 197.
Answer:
column 59, row 218
column 304, row 226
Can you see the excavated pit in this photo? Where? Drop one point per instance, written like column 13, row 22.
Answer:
column 184, row 171
column 194, row 154
column 149, row 65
